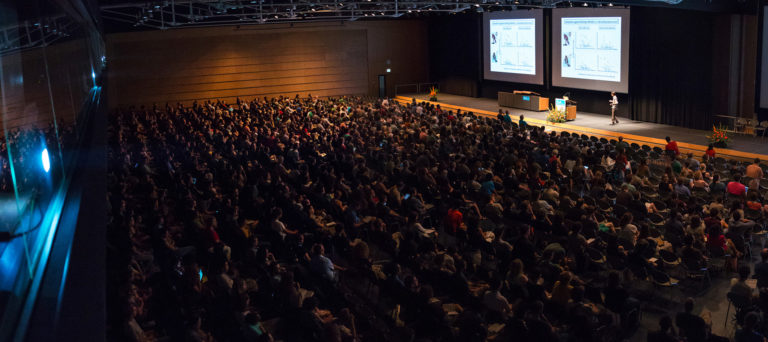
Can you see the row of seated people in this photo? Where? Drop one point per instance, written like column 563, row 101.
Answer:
column 344, row 219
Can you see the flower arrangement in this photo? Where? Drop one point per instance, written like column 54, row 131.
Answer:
column 555, row 115
column 719, row 136
column 433, row 94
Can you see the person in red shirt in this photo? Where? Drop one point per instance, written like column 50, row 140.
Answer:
column 735, row 187
column 710, row 154
column 672, row 147
column 454, row 220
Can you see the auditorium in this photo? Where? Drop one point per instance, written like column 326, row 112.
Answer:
column 384, row 170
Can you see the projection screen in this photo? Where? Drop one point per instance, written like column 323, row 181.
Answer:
column 590, row 48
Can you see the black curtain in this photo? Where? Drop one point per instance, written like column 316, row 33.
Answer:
column 455, row 42
column 671, row 66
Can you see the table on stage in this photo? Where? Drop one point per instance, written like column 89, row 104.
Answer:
column 523, row 100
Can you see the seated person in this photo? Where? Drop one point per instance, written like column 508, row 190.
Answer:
column 691, row 326
column 692, row 257
column 761, row 269
column 494, row 301
column 749, row 332
column 322, row 265
column 666, row 332
column 740, row 288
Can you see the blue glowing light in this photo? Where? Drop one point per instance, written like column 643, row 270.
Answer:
column 46, row 161
column 93, row 75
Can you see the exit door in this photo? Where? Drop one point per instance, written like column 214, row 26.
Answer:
column 382, row 86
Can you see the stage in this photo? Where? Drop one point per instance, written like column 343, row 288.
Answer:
column 744, row 147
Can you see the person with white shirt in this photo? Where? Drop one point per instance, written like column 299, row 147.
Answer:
column 614, row 103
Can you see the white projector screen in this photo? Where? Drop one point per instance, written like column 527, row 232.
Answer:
column 590, row 49
column 513, row 46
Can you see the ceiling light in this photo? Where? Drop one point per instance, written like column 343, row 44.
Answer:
column 610, row 4
column 585, row 4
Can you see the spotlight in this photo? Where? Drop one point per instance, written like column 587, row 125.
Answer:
column 389, row 70
column 585, row 4
column 610, row 4
column 46, row 161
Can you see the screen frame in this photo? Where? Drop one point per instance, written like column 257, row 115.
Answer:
column 538, row 77
column 558, row 80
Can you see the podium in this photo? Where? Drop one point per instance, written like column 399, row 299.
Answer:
column 523, row 100
column 567, row 106
column 570, row 112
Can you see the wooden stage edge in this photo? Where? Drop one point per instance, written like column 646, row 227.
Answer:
column 697, row 150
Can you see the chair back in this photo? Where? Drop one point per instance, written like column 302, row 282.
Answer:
column 738, row 301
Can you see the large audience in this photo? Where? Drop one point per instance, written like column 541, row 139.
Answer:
column 353, row 219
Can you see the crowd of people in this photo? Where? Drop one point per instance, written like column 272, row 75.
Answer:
column 353, row 219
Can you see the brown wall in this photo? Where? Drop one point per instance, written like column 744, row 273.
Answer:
column 25, row 86
column 323, row 59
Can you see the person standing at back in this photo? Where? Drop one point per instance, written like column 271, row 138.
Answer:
column 671, row 148
column 754, row 170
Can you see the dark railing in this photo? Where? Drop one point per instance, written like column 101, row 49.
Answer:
column 415, row 88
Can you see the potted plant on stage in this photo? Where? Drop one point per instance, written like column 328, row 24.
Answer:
column 719, row 137
column 433, row 94
column 555, row 115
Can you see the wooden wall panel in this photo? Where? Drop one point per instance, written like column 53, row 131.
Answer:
column 184, row 66
column 328, row 59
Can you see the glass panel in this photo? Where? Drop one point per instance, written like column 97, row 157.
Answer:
column 48, row 68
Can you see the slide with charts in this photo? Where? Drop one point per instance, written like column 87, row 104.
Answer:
column 591, row 48
column 513, row 46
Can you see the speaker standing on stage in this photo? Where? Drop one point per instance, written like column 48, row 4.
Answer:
column 614, row 102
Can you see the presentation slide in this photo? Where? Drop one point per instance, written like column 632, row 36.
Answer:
column 590, row 48
column 513, row 46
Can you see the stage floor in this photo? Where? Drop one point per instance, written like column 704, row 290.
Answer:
column 744, row 146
